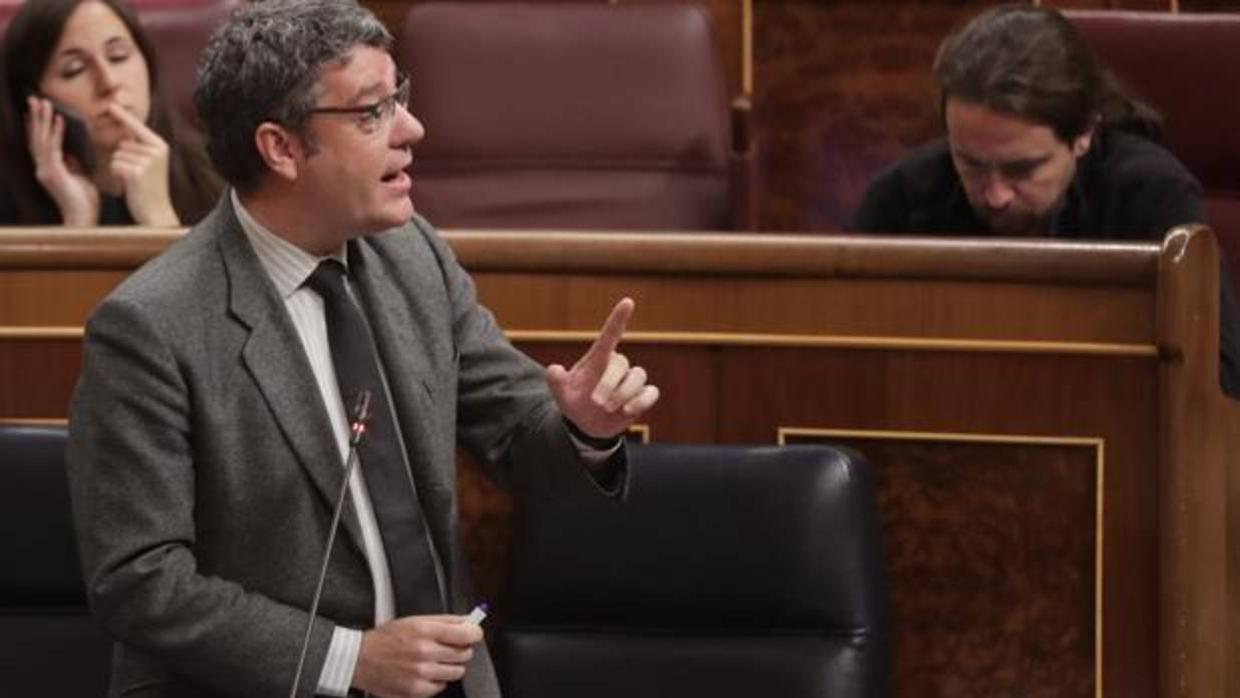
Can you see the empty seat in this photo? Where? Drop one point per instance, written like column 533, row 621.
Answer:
column 572, row 115
column 50, row 646
column 728, row 571
column 1166, row 59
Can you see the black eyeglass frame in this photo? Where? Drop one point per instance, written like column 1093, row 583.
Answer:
column 374, row 111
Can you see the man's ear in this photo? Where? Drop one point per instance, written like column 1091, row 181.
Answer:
column 1082, row 143
column 281, row 150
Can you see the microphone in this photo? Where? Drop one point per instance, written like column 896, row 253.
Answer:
column 360, row 414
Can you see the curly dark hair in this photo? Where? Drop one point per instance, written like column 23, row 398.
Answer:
column 264, row 65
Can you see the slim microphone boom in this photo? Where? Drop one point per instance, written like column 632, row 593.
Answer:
column 357, row 427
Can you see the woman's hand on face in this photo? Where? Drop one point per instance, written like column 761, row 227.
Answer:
column 74, row 193
column 140, row 162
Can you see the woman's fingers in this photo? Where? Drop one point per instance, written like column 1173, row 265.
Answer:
column 140, row 131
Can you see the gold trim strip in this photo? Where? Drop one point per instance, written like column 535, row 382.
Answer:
column 34, row 422
column 818, row 256
column 642, row 431
column 964, row 437
column 845, row 342
column 751, row 339
column 1097, row 443
column 747, row 48
column 1099, row 524
column 33, row 333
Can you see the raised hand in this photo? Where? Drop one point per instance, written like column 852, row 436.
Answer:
column 73, row 192
column 602, row 394
column 140, row 161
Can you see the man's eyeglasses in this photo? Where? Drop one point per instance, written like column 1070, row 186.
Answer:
column 371, row 116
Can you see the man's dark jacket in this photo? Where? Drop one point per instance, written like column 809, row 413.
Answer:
column 1126, row 188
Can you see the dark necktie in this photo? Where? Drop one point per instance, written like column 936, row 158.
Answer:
column 415, row 582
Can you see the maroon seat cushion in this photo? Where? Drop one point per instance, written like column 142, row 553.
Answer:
column 1186, row 66
column 180, row 30
column 568, row 115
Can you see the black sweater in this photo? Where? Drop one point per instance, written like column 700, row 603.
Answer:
column 1125, row 188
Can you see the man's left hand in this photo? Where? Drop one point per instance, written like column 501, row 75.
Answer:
column 602, row 394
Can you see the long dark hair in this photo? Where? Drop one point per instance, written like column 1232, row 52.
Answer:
column 25, row 52
column 1032, row 62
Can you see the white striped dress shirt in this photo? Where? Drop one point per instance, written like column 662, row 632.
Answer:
column 289, row 266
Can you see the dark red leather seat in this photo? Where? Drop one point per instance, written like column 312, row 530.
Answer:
column 1187, row 66
column 180, row 30
column 572, row 115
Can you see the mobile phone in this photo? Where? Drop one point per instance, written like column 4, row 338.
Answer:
column 76, row 142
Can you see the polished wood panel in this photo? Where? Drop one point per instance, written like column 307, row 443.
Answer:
column 1193, row 552
column 54, row 276
column 1005, row 534
column 842, row 90
column 38, row 375
column 1110, row 399
column 749, row 334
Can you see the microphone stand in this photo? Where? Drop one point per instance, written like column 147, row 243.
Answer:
column 357, row 427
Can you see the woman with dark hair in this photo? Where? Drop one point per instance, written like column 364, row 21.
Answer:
column 87, row 137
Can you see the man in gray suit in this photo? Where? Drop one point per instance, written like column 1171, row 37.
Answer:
column 209, row 428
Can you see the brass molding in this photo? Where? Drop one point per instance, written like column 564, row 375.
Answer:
column 747, row 48
column 959, row 437
column 34, row 422
column 845, row 342
column 746, row 339
column 816, row 256
column 641, row 431
column 14, row 332
column 1096, row 443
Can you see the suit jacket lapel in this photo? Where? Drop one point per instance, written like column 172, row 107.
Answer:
column 277, row 363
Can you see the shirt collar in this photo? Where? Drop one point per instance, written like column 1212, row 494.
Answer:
column 286, row 264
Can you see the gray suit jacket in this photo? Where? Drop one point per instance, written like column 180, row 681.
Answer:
column 203, row 468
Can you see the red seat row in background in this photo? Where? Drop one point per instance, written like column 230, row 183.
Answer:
column 621, row 120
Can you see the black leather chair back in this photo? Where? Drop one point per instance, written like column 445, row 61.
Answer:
column 48, row 644
column 728, row 571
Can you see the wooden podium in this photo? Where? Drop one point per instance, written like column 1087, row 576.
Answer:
column 1045, row 417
